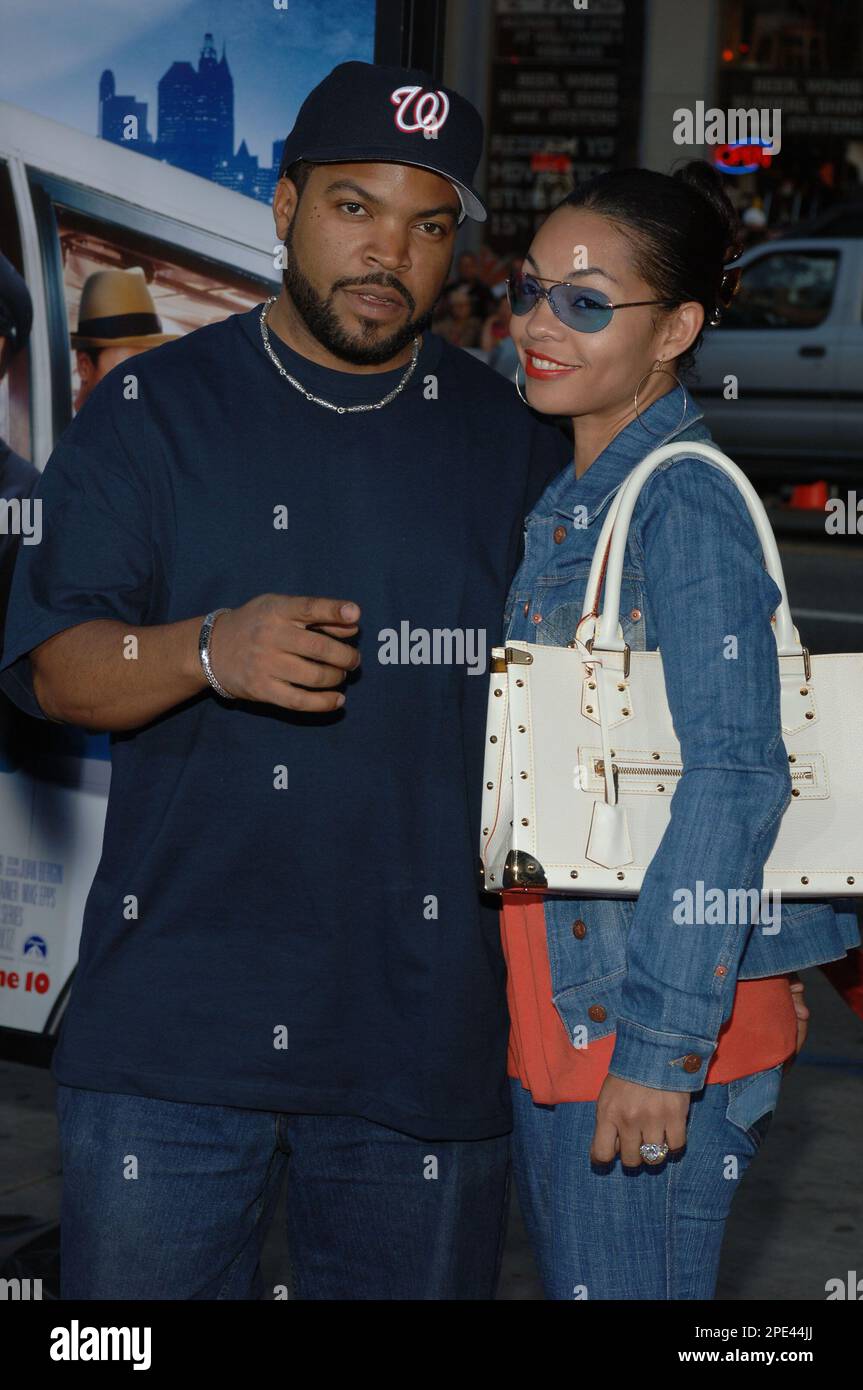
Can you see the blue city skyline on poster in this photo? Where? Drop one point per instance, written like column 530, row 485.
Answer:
column 211, row 86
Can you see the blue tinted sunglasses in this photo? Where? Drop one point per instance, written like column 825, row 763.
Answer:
column 587, row 311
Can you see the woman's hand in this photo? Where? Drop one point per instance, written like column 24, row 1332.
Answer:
column 629, row 1115
column 802, row 1011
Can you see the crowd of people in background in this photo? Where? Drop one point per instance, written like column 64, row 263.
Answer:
column 473, row 311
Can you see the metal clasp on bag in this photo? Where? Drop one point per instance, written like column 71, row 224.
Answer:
column 589, row 645
column 600, row 769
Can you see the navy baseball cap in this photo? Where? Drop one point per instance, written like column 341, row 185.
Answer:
column 364, row 111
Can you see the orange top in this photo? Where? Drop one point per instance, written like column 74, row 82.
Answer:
column 761, row 1032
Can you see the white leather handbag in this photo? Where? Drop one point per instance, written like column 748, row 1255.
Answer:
column 582, row 760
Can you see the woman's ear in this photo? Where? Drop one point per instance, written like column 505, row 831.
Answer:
column 682, row 326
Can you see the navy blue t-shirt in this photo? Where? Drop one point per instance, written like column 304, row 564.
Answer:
column 319, row 946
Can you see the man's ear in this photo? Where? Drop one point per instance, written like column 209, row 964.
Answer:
column 285, row 200
column 84, row 364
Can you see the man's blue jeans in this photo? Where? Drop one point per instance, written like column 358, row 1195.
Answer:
column 168, row 1200
column 644, row 1233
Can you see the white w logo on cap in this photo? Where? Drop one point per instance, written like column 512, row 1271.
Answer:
column 430, row 109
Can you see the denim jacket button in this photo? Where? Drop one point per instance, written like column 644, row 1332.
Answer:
column 597, row 1013
column 559, row 534
column 579, row 929
column 635, row 614
column 692, row 1062
column 721, row 970
column 537, row 617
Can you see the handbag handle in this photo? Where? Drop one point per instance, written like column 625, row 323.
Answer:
column 608, row 554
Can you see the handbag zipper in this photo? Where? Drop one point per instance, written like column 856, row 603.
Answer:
column 804, row 774
column 638, row 770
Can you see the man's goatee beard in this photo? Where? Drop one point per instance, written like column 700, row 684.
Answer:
column 321, row 320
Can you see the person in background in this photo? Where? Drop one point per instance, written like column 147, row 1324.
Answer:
column 467, row 267
column 18, row 476
column 117, row 320
column 754, row 223
column 462, row 324
column 469, row 272
column 495, row 338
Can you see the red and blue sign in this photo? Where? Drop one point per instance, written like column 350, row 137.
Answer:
column 743, row 157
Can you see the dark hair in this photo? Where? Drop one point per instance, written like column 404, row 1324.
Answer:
column 298, row 173
column 682, row 228
column 93, row 353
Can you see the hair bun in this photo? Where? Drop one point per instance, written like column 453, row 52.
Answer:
column 704, row 179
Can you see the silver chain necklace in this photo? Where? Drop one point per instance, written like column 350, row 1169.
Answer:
column 318, row 400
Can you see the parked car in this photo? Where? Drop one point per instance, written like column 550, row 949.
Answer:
column 841, row 220
column 781, row 378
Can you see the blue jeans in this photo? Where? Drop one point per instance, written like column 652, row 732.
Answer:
column 168, row 1200
column 649, row 1233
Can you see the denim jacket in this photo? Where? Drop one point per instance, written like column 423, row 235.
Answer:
column 693, row 574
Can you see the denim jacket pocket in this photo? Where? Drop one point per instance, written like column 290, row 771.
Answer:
column 589, row 1011
column 587, row 961
column 560, row 601
column 805, row 934
column 752, row 1101
column 586, row 940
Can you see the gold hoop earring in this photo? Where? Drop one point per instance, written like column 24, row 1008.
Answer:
column 659, row 366
column 518, row 388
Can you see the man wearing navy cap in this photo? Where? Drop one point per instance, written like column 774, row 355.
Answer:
column 354, row 135
column 286, row 965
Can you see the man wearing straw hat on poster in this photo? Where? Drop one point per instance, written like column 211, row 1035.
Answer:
column 117, row 319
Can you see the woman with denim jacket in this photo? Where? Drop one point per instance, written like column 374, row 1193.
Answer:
column 631, row 1030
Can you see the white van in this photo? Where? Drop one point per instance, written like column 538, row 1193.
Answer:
column 70, row 205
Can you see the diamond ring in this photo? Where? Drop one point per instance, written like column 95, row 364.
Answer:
column 653, row 1153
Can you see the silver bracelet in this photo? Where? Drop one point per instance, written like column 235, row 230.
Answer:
column 204, row 652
